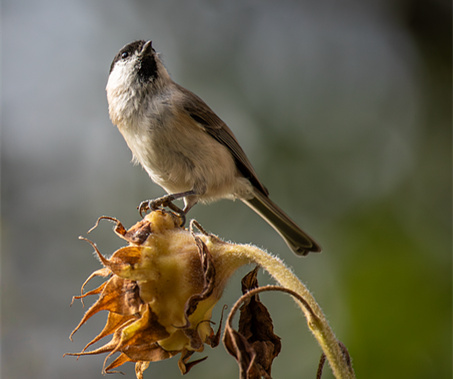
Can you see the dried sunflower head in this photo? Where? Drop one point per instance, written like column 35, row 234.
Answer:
column 160, row 293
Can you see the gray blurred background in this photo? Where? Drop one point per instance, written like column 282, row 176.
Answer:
column 344, row 109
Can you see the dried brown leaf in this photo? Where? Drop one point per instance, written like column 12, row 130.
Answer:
column 254, row 345
column 255, row 324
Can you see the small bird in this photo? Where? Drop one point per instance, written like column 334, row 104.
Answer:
column 183, row 145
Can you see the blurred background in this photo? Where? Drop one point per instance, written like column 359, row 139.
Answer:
column 344, row 109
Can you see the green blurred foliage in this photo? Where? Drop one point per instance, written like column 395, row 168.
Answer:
column 398, row 297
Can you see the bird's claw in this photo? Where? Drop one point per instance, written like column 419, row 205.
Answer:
column 161, row 202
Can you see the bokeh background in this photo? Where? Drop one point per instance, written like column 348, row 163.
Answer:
column 344, row 108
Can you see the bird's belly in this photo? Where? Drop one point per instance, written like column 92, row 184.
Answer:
column 189, row 162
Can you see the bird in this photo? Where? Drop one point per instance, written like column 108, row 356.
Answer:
column 183, row 145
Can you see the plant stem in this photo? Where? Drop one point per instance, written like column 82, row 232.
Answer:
column 316, row 319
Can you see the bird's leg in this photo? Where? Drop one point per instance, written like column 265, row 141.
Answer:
column 166, row 201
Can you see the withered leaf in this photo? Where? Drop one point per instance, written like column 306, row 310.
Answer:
column 255, row 324
column 254, row 344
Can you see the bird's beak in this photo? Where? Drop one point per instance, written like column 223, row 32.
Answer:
column 147, row 49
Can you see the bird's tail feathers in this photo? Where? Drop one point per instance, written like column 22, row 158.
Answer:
column 298, row 241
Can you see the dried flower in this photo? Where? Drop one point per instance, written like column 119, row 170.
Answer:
column 160, row 291
column 160, row 294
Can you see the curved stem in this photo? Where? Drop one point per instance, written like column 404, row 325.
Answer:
column 316, row 319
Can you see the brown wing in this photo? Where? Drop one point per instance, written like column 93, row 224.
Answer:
column 214, row 126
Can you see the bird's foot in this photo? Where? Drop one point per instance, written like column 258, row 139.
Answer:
column 162, row 202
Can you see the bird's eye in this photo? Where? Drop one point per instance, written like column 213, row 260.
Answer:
column 125, row 55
